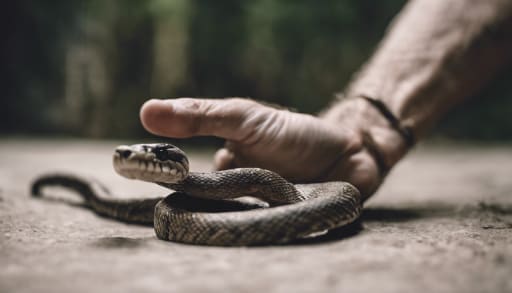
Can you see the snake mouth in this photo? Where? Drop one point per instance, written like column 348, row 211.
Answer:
column 160, row 162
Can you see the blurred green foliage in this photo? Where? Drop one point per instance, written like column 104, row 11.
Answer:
column 83, row 68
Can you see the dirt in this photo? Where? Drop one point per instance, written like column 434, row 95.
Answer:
column 442, row 222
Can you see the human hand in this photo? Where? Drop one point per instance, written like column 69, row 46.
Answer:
column 300, row 147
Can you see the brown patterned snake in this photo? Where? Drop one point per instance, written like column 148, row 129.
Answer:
column 201, row 209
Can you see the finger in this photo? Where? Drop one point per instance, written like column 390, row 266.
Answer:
column 186, row 117
column 224, row 159
column 360, row 170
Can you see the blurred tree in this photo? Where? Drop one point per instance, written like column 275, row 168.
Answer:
column 300, row 52
column 84, row 67
column 217, row 32
column 88, row 80
column 31, row 55
column 170, row 49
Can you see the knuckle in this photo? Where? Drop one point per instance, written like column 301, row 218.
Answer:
column 191, row 104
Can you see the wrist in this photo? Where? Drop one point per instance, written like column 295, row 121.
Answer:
column 375, row 132
column 393, row 121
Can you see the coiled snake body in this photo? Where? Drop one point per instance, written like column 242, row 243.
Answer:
column 200, row 211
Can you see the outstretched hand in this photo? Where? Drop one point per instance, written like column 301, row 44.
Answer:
column 300, row 147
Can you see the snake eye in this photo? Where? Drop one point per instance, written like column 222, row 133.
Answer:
column 161, row 154
column 168, row 152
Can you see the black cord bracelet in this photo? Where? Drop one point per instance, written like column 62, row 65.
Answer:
column 404, row 131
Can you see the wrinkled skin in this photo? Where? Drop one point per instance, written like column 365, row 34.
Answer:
column 299, row 147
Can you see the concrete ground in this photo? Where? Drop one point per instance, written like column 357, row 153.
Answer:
column 441, row 223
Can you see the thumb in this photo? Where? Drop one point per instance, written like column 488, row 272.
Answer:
column 186, row 117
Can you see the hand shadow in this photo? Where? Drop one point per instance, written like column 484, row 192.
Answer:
column 377, row 214
column 491, row 215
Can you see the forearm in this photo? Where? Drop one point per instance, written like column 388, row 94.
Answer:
column 435, row 54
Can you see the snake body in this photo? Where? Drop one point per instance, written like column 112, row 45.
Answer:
column 201, row 210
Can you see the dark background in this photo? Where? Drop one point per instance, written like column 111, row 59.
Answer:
column 83, row 68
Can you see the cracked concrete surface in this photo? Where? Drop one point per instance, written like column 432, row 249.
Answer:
column 441, row 223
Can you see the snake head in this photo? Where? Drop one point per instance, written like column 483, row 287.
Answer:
column 159, row 162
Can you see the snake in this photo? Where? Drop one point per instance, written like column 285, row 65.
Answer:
column 234, row 207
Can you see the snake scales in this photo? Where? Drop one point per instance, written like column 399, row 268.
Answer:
column 200, row 211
